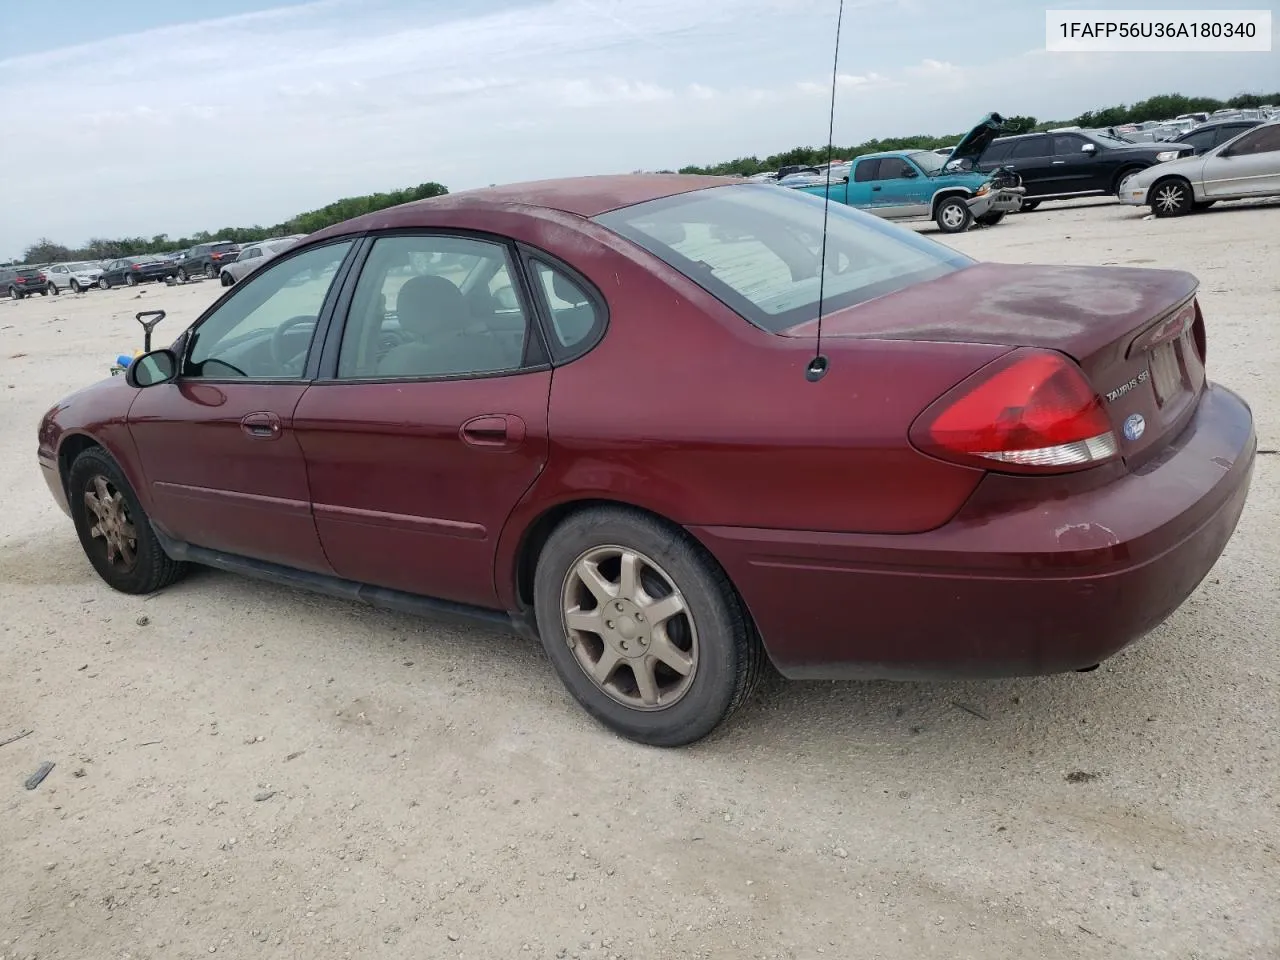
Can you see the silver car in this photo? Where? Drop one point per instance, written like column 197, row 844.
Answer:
column 1244, row 167
column 255, row 255
column 76, row 277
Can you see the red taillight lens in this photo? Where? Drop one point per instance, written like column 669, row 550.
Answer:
column 134, row 266
column 1032, row 411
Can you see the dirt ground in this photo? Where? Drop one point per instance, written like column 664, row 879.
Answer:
column 253, row 772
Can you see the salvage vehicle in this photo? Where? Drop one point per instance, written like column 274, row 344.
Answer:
column 24, row 280
column 76, row 277
column 842, row 447
column 920, row 184
column 132, row 271
column 1244, row 167
column 253, row 256
column 1063, row 166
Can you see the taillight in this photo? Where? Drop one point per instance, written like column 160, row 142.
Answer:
column 1197, row 331
column 1032, row 411
column 134, row 266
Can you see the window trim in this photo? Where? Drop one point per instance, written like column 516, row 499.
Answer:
column 323, row 319
column 561, row 354
column 326, row 372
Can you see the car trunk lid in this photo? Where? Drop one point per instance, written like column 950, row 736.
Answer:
column 1137, row 334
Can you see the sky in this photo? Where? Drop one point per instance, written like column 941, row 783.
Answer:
column 151, row 118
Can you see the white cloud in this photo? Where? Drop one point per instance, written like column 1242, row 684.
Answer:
column 250, row 119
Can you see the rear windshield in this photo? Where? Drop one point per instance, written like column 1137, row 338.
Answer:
column 757, row 248
column 222, row 246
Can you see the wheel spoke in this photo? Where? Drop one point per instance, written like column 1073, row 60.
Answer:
column 589, row 573
column 629, row 577
column 91, row 501
column 100, row 488
column 664, row 650
column 603, row 668
column 585, row 621
column 126, row 552
column 660, row 611
column 646, row 682
column 97, row 531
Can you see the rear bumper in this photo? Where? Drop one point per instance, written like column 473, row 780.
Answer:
column 1045, row 587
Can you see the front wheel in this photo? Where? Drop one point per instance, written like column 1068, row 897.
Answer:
column 75, row 287
column 104, row 284
column 643, row 628
column 226, row 279
column 990, row 219
column 953, row 215
column 113, row 528
column 1029, row 205
column 1171, row 198
column 182, row 275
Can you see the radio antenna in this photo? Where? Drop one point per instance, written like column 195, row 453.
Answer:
column 817, row 368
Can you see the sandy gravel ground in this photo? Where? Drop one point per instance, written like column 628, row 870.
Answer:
column 253, row 772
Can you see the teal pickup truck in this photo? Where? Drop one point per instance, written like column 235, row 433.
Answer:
column 921, row 184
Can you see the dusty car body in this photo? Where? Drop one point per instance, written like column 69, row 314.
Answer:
column 596, row 411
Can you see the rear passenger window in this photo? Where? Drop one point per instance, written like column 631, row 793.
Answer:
column 866, row 170
column 575, row 318
column 1035, row 147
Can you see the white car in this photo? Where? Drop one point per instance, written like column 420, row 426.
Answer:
column 254, row 255
column 1244, row 167
column 76, row 277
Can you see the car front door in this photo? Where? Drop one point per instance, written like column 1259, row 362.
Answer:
column 222, row 463
column 1074, row 169
column 899, row 190
column 429, row 421
column 1248, row 166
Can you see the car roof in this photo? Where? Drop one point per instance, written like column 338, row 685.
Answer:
column 578, row 196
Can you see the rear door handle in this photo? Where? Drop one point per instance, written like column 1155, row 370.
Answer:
column 875, row 188
column 494, row 431
column 262, row 426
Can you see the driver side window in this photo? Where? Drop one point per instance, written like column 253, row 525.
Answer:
column 263, row 331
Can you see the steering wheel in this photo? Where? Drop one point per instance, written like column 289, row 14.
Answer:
column 278, row 337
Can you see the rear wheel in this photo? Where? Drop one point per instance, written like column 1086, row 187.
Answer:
column 113, row 528
column 45, row 291
column 131, row 280
column 1171, row 197
column 15, row 293
column 643, row 628
column 53, row 289
column 209, row 272
column 990, row 219
column 952, row 215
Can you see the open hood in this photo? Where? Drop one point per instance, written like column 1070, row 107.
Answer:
column 978, row 139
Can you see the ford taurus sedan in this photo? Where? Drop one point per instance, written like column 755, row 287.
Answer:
column 669, row 427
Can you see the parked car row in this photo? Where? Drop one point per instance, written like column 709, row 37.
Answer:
column 219, row 258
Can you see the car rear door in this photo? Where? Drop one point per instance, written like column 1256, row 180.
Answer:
column 429, row 420
column 860, row 183
column 1247, row 167
column 222, row 462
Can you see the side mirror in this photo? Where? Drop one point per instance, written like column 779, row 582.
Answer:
column 150, row 369
column 910, row 174
column 845, row 178
column 1089, row 148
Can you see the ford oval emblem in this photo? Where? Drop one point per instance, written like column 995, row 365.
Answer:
column 1134, row 425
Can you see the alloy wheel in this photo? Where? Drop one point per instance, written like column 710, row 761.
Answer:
column 629, row 627
column 1171, row 198
column 952, row 215
column 113, row 525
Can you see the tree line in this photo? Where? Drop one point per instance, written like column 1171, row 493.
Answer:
column 98, row 248
column 1162, row 107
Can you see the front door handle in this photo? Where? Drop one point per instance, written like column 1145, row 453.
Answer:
column 262, row 426
column 875, row 188
column 493, row 431
column 1056, row 162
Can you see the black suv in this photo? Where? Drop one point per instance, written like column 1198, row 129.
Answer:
column 1208, row 135
column 207, row 259
column 1061, row 166
column 20, row 281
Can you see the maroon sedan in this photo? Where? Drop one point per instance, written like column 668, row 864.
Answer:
column 589, row 409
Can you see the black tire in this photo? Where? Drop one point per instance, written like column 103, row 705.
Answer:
column 952, row 215
column 75, row 287
column 1028, row 206
column 209, row 272
column 45, row 291
column 1120, row 177
column 130, row 280
column 104, row 283
column 1171, row 197
column 182, row 275
column 227, row 279
column 15, row 293
column 990, row 219
column 729, row 654
column 152, row 568
column 53, row 289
